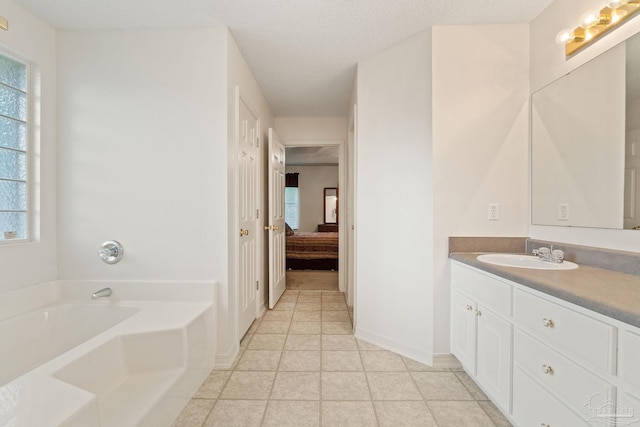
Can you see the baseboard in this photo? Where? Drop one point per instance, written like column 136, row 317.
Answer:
column 392, row 345
column 225, row 360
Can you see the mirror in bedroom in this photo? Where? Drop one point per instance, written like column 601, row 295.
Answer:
column 585, row 144
column 330, row 205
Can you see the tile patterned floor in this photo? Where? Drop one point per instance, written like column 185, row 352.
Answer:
column 300, row 365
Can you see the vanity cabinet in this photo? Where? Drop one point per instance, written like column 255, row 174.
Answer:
column 482, row 332
column 542, row 360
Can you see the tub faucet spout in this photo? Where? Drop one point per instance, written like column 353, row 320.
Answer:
column 105, row 292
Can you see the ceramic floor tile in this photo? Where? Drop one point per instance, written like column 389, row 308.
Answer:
column 345, row 386
column 248, row 385
column 253, row 327
column 339, row 342
column 334, row 306
column 273, row 328
column 245, row 340
column 392, row 386
column 337, row 328
column 416, row 366
column 351, row 414
column 300, row 361
column 494, row 413
column 332, row 299
column 302, row 342
column 288, row 298
column 236, row 413
column 310, row 298
column 365, row 346
column 289, row 292
column 341, row 361
column 267, row 342
column 471, row 386
column 404, row 414
column 308, row 306
column 336, row 316
column 277, row 316
column 307, row 316
column 212, row 386
column 296, row 386
column 459, row 414
column 305, row 328
column 286, row 413
column 259, row 360
column 382, row 361
column 440, row 386
column 194, row 414
column 285, row 306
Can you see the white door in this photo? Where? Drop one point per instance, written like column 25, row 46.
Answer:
column 248, row 135
column 632, row 180
column 463, row 330
column 277, row 256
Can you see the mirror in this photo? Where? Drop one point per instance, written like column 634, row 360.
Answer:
column 330, row 205
column 585, row 144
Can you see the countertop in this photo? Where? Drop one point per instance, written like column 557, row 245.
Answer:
column 614, row 294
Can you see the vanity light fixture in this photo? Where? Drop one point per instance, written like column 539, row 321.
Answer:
column 4, row 24
column 595, row 23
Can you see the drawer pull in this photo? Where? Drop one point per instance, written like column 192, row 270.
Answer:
column 547, row 323
column 547, row 369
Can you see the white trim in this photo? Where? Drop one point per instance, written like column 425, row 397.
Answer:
column 225, row 360
column 393, row 345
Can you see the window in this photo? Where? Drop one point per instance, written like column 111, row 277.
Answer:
column 14, row 159
column 292, row 207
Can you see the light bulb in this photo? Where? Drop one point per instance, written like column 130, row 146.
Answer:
column 564, row 36
column 589, row 19
column 613, row 4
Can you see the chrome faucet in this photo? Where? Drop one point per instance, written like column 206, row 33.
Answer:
column 549, row 254
column 104, row 292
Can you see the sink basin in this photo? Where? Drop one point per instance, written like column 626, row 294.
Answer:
column 525, row 261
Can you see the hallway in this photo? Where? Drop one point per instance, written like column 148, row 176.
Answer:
column 300, row 365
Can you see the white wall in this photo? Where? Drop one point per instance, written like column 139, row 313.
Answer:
column 548, row 63
column 142, row 158
column 311, row 128
column 311, row 184
column 394, row 217
column 480, row 143
column 33, row 40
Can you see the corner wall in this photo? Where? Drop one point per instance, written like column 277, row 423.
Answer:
column 30, row 38
column 394, row 217
column 548, row 63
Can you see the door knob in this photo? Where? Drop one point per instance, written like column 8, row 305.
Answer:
column 267, row 227
column 244, row 232
column 275, row 228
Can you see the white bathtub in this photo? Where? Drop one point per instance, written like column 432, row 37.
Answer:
column 132, row 359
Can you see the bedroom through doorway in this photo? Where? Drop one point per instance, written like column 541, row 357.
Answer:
column 311, row 215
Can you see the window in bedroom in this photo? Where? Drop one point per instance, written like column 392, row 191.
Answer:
column 292, row 207
column 14, row 156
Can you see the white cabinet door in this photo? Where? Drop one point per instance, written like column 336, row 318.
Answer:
column 463, row 330
column 494, row 354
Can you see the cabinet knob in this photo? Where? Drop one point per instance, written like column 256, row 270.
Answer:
column 479, row 313
column 547, row 369
column 544, row 425
column 469, row 308
column 547, row 323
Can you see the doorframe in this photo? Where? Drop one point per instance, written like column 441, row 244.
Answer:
column 343, row 266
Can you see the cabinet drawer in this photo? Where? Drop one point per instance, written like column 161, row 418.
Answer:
column 585, row 338
column 534, row 407
column 630, row 359
column 556, row 373
column 487, row 291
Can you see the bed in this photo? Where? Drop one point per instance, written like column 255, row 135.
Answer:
column 312, row 251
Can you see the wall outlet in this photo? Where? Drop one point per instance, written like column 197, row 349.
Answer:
column 494, row 212
column 563, row 211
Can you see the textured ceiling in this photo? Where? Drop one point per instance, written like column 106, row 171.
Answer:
column 302, row 52
column 300, row 156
